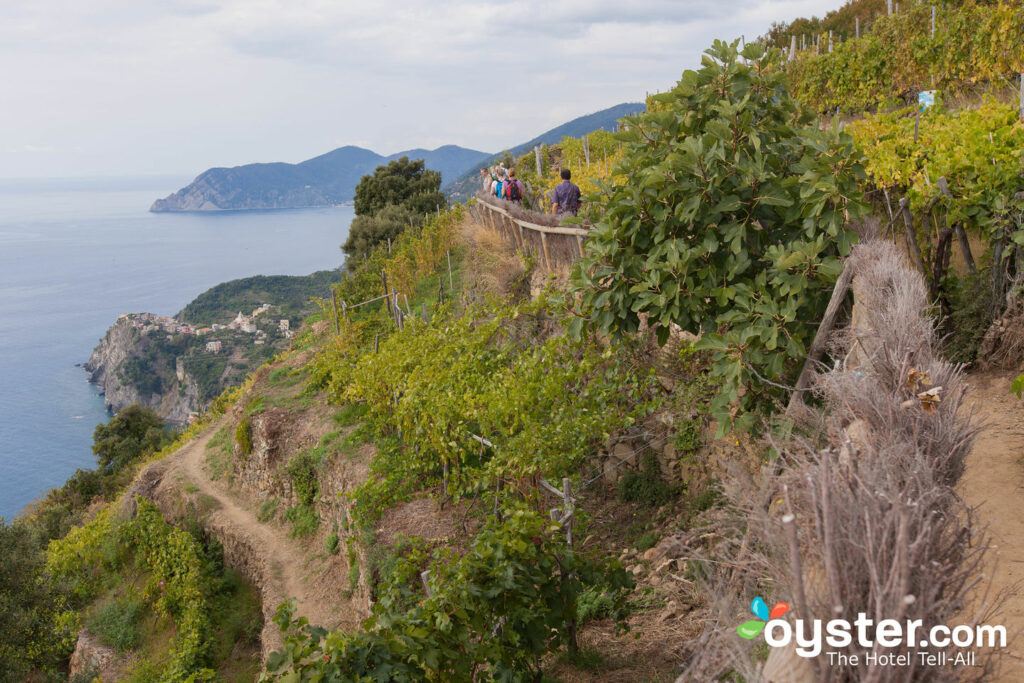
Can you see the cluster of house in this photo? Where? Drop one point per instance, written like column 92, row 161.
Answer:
column 148, row 322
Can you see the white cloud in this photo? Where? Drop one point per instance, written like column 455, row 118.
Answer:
column 122, row 86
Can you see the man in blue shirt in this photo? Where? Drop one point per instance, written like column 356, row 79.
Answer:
column 565, row 197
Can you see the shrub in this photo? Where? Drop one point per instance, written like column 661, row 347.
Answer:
column 647, row 541
column 117, row 623
column 304, row 520
column 302, row 471
column 593, row 604
column 727, row 216
column 647, row 486
column 243, row 436
column 332, row 543
column 267, row 510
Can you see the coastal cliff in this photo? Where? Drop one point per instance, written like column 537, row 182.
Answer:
column 169, row 390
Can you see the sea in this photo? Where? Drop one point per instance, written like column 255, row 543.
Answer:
column 75, row 254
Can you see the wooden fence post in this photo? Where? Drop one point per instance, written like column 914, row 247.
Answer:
column 1021, row 106
column 384, row 277
column 544, row 243
column 792, row 48
column 912, row 246
column 830, row 41
column 961, row 234
column 536, row 156
column 451, row 282
column 888, row 7
column 933, row 22
column 586, row 150
column 856, row 24
column 334, row 312
column 821, row 336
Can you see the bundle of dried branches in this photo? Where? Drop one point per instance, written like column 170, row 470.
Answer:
column 863, row 515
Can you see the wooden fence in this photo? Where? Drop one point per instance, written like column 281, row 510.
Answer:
column 526, row 231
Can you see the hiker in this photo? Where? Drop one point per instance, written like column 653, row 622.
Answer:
column 565, row 198
column 513, row 188
column 485, row 179
column 499, row 181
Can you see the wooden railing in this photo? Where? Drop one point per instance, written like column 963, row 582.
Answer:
column 519, row 230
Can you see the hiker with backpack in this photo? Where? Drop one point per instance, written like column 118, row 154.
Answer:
column 513, row 189
column 498, row 185
column 565, row 198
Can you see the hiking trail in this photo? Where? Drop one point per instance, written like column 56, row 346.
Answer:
column 994, row 482
column 289, row 569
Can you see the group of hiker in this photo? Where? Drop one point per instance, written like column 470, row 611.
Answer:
column 502, row 183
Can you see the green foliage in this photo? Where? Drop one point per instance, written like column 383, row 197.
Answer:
column 545, row 403
column 142, row 375
column 978, row 152
column 519, row 583
column 290, row 293
column 35, row 636
column 1017, row 386
column 353, row 565
column 349, row 414
column 647, row 486
column 971, row 306
column 389, row 201
column 134, row 432
column 332, row 544
column 177, row 567
column 730, row 221
column 974, row 43
column 116, row 623
column 647, row 541
column 594, row 604
column 243, row 436
column 304, row 520
column 267, row 510
column 177, row 586
column 303, row 471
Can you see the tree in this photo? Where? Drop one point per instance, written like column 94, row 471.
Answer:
column 34, row 640
column 730, row 223
column 386, row 201
column 132, row 433
column 366, row 232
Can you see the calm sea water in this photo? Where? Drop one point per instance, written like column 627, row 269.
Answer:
column 76, row 254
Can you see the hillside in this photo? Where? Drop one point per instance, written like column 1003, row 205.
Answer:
column 326, row 180
column 722, row 431
column 177, row 365
column 606, row 119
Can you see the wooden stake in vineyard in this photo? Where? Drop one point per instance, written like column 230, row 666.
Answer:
column 1021, row 108
column 792, row 48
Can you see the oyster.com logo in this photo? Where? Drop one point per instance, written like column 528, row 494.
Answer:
column 751, row 629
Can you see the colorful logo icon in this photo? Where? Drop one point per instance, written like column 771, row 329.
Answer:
column 750, row 629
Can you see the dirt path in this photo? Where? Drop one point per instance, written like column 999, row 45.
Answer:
column 994, row 480
column 281, row 564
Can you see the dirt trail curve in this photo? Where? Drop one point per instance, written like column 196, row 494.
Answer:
column 994, row 480
column 280, row 566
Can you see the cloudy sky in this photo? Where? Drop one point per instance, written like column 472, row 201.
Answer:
column 120, row 87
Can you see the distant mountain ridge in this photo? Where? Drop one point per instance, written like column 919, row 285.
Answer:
column 331, row 178
column 606, row 119
column 326, row 180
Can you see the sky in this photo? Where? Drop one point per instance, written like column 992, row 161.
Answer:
column 135, row 87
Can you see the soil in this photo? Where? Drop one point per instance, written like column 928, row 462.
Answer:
column 994, row 482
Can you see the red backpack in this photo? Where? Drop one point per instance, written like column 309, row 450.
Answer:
column 513, row 193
